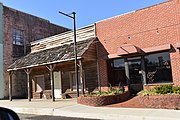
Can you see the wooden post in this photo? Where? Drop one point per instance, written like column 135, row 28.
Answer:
column 10, row 85
column 81, row 76
column 28, row 71
column 51, row 68
column 97, row 62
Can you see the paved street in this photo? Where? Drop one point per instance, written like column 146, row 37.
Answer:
column 45, row 117
column 69, row 108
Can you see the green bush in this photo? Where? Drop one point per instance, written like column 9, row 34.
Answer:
column 164, row 89
column 111, row 91
column 176, row 90
column 161, row 90
column 114, row 91
column 148, row 92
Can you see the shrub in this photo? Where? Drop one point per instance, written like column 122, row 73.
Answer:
column 161, row 90
column 111, row 91
column 115, row 90
column 164, row 89
column 176, row 90
column 148, row 92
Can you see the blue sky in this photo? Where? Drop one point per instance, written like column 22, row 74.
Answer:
column 87, row 11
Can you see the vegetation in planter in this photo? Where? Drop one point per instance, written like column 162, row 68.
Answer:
column 160, row 90
column 111, row 91
column 147, row 92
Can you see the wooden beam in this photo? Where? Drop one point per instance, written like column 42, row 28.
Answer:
column 98, row 68
column 51, row 68
column 28, row 71
column 71, row 80
column 10, row 85
column 81, row 76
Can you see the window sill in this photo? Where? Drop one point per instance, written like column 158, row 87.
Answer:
column 154, row 84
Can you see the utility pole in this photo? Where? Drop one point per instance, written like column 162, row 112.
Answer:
column 75, row 49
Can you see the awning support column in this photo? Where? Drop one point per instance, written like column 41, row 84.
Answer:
column 81, row 76
column 143, row 69
column 28, row 71
column 10, row 85
column 127, row 72
column 51, row 68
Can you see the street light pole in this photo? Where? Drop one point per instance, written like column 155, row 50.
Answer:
column 75, row 49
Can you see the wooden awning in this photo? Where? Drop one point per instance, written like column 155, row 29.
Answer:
column 128, row 49
column 58, row 54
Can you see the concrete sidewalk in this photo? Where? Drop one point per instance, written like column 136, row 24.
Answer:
column 70, row 108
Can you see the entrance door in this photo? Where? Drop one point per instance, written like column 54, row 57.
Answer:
column 135, row 75
column 40, row 85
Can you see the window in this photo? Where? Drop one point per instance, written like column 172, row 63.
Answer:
column 116, row 72
column 18, row 43
column 18, row 37
column 158, row 68
column 118, row 63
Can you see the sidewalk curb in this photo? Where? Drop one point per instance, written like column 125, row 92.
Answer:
column 74, row 111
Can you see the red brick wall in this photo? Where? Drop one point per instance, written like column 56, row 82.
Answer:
column 34, row 28
column 142, row 26
column 160, row 101
column 102, row 66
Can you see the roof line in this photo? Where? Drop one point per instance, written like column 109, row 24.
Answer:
column 60, row 34
column 88, row 46
column 16, row 67
column 54, row 62
column 40, row 18
column 134, row 11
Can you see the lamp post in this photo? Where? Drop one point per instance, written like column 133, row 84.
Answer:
column 75, row 49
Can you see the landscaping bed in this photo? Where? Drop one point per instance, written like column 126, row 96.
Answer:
column 164, row 96
column 101, row 98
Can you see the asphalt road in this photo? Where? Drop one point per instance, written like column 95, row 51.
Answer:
column 45, row 117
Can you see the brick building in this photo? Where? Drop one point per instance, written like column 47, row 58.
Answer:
column 17, row 30
column 141, row 48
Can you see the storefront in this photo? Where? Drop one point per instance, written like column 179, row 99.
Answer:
column 140, row 48
column 137, row 71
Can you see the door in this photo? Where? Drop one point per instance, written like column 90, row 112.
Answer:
column 40, row 85
column 136, row 84
column 57, row 84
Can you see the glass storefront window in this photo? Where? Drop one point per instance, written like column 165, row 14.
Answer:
column 118, row 63
column 116, row 72
column 158, row 68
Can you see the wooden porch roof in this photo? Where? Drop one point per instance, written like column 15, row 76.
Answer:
column 53, row 55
